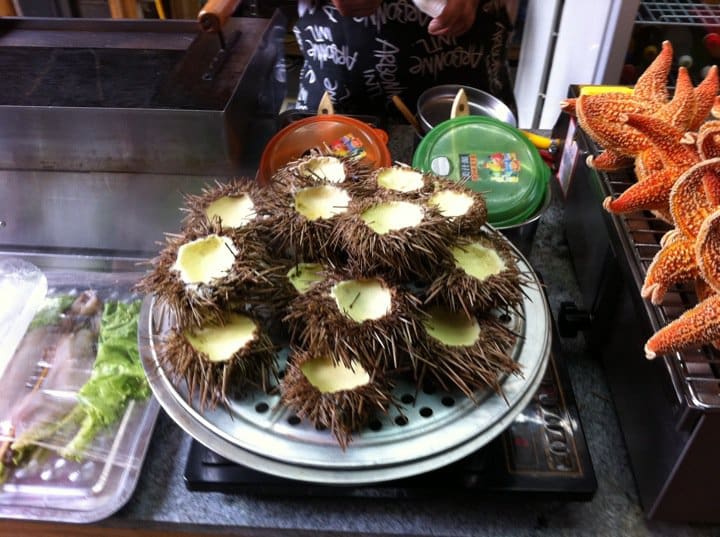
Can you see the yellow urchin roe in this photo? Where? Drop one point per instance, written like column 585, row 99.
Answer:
column 391, row 216
column 454, row 329
column 330, row 169
column 400, row 179
column 303, row 275
column 478, row 260
column 320, row 202
column 220, row 343
column 451, row 203
column 206, row 259
column 362, row 300
column 329, row 377
column 233, row 211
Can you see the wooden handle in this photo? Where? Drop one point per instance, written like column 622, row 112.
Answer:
column 407, row 114
column 215, row 13
column 460, row 105
column 326, row 105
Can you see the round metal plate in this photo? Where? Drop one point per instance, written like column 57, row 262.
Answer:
column 433, row 430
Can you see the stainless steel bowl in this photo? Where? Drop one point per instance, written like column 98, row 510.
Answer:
column 434, row 104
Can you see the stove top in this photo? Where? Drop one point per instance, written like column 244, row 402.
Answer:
column 543, row 452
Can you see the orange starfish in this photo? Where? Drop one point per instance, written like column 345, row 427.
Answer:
column 609, row 161
column 601, row 116
column 598, row 117
column 705, row 94
column 715, row 109
column 676, row 261
column 708, row 140
column 673, row 264
column 707, row 250
column 669, row 157
column 701, row 324
column 648, row 162
column 689, row 205
column 697, row 326
column 596, row 113
column 651, row 86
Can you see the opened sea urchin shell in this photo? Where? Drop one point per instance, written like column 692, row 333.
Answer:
column 405, row 240
column 357, row 319
column 235, row 204
column 303, row 220
column 332, row 395
column 464, row 351
column 217, row 359
column 481, row 275
column 319, row 168
column 199, row 275
column 465, row 208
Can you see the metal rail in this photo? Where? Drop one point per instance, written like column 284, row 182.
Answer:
column 679, row 13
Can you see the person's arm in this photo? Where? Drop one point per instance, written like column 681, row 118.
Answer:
column 356, row 8
column 456, row 19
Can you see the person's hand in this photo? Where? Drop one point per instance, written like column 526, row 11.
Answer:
column 456, row 19
column 356, row 8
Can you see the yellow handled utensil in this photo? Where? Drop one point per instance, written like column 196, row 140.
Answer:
column 541, row 142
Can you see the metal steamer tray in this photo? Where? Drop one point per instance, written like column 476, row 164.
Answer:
column 433, row 428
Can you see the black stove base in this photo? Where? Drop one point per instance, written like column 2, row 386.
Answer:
column 542, row 454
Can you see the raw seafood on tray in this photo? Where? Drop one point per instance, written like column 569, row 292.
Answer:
column 76, row 402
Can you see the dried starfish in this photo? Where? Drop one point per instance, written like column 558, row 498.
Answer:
column 697, row 326
column 648, row 162
column 701, row 324
column 651, row 86
column 609, row 161
column 648, row 96
column 671, row 156
column 673, row 264
column 601, row 116
column 707, row 250
column 708, row 140
column 689, row 205
column 676, row 260
column 705, row 93
column 598, row 117
column 715, row 109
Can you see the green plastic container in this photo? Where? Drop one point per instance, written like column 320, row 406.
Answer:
column 496, row 159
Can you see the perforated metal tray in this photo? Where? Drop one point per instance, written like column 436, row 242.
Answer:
column 435, row 428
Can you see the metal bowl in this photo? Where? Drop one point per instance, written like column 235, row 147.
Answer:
column 522, row 235
column 434, row 104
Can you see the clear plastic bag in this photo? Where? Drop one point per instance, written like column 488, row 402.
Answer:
column 60, row 462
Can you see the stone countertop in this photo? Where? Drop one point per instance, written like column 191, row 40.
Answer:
column 162, row 501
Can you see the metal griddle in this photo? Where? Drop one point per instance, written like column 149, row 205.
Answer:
column 105, row 124
column 133, row 96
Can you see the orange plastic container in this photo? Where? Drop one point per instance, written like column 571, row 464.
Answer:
column 340, row 133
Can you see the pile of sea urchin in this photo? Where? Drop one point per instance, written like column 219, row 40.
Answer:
column 367, row 276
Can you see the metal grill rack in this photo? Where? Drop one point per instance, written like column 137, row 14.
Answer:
column 694, row 373
column 683, row 13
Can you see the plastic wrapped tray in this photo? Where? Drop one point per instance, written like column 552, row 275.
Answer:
column 36, row 387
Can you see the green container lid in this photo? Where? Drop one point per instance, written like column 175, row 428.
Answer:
column 496, row 159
